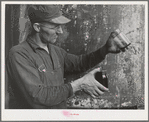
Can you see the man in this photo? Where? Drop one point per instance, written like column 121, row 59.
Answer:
column 36, row 67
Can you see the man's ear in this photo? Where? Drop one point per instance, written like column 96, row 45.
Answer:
column 36, row 27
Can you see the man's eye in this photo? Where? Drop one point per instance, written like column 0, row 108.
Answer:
column 57, row 27
column 54, row 27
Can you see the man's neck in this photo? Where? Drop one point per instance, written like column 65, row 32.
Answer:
column 38, row 41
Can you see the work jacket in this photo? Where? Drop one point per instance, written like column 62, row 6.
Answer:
column 36, row 77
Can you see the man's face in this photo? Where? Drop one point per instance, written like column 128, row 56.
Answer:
column 49, row 32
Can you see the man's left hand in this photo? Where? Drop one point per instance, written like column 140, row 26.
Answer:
column 115, row 46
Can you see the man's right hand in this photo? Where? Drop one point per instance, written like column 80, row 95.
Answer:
column 89, row 84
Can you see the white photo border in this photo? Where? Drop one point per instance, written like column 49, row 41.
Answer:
column 48, row 115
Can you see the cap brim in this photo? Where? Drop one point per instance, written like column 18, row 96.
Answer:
column 60, row 20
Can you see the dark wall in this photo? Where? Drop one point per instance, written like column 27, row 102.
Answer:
column 89, row 29
column 12, row 32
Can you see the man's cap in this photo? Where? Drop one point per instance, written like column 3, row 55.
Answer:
column 46, row 13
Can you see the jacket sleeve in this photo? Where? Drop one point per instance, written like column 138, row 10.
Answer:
column 26, row 76
column 83, row 62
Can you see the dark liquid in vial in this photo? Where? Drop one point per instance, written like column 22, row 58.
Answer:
column 102, row 78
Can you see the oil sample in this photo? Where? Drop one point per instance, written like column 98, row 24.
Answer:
column 102, row 78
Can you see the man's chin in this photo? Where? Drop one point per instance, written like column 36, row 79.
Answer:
column 54, row 41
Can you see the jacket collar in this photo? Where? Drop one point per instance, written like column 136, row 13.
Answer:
column 33, row 44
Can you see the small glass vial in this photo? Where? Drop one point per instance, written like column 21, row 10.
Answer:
column 102, row 78
column 119, row 35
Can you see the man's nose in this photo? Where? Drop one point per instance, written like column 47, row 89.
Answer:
column 59, row 30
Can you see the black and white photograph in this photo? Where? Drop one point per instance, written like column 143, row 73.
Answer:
column 74, row 60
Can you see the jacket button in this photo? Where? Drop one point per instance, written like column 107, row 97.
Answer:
column 52, row 72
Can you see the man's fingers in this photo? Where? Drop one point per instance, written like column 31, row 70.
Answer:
column 120, row 43
column 123, row 49
column 93, row 96
column 118, row 50
column 101, row 87
column 96, row 93
column 99, row 92
column 127, row 48
column 124, row 43
column 96, row 70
